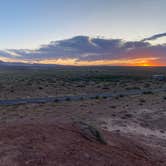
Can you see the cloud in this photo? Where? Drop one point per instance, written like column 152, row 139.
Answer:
column 154, row 37
column 86, row 50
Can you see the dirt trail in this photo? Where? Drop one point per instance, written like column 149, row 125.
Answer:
column 78, row 97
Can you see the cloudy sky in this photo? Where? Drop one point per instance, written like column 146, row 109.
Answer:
column 83, row 32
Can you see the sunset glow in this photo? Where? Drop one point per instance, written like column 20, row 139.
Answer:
column 122, row 62
column 75, row 62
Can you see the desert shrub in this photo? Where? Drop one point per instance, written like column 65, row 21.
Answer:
column 147, row 85
column 97, row 97
column 113, row 106
column 117, row 97
column 68, row 99
column 81, row 98
column 90, row 132
column 147, row 92
column 81, row 86
column 128, row 115
column 56, row 100
column 133, row 88
column 105, row 87
column 121, row 95
column 105, row 97
column 142, row 100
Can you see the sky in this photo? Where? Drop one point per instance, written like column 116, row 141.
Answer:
column 28, row 24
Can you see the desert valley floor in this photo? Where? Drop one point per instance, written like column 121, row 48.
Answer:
column 50, row 134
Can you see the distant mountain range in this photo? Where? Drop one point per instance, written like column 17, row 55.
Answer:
column 17, row 64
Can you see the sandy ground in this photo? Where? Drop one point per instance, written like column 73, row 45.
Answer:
column 140, row 119
column 48, row 144
column 15, row 90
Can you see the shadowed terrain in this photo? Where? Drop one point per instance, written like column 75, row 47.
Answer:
column 122, row 130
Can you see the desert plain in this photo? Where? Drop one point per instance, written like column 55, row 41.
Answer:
column 49, row 134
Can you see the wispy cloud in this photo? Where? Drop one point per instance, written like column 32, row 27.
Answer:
column 154, row 37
